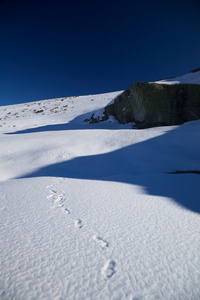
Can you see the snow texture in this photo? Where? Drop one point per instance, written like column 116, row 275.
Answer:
column 91, row 211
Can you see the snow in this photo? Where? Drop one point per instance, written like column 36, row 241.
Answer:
column 189, row 78
column 91, row 211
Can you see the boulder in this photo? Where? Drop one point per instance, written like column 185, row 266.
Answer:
column 152, row 104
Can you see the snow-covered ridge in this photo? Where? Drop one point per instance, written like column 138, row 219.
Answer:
column 189, row 78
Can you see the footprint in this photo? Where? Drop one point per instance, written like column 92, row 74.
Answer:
column 50, row 196
column 58, row 198
column 109, row 269
column 53, row 191
column 78, row 223
column 101, row 242
column 58, row 201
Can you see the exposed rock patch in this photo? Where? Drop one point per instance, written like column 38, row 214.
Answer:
column 152, row 104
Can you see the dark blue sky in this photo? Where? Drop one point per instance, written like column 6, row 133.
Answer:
column 57, row 48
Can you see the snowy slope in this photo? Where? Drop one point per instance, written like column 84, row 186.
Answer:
column 90, row 211
column 189, row 78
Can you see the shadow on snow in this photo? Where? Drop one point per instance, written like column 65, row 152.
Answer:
column 146, row 164
column 75, row 124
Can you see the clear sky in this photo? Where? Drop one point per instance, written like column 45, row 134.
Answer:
column 60, row 48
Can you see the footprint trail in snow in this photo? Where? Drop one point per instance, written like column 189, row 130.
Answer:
column 58, row 199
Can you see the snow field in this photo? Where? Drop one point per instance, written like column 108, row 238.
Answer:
column 89, row 211
column 126, row 245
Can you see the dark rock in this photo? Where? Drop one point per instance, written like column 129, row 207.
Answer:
column 123, row 107
column 93, row 120
column 152, row 104
column 195, row 70
column 185, row 172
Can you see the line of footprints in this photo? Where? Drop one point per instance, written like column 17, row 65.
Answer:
column 58, row 199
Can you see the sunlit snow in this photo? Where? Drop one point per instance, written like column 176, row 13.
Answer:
column 190, row 78
column 91, row 211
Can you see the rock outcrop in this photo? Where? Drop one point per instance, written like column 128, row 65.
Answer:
column 153, row 104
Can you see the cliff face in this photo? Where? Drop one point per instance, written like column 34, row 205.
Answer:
column 152, row 104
